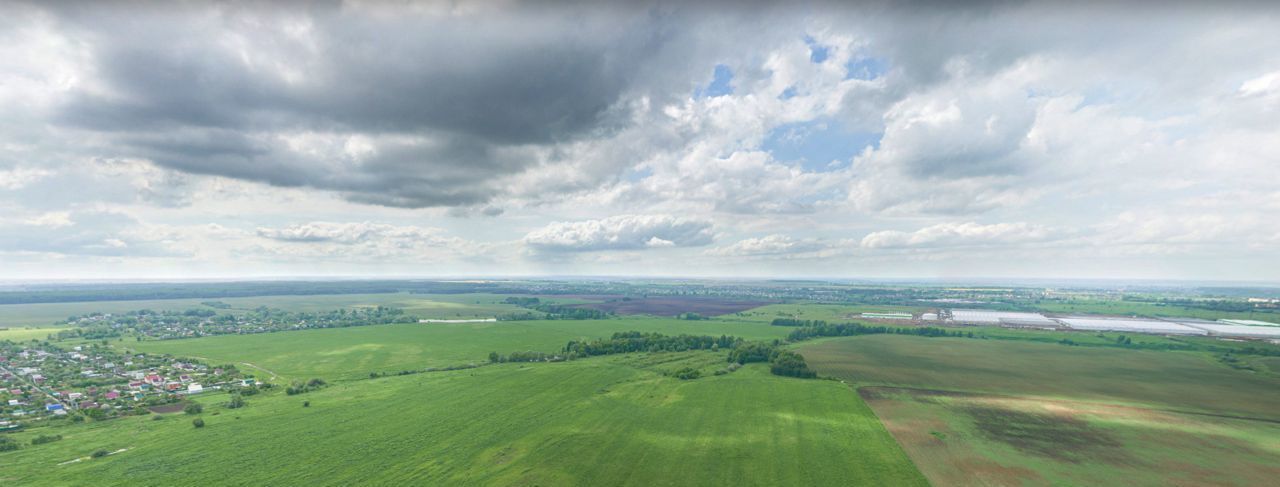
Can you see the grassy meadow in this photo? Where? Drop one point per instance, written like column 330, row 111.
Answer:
column 601, row 421
column 352, row 353
column 1130, row 308
column 441, row 306
column 1003, row 412
column 1182, row 380
column 22, row 334
column 1015, row 409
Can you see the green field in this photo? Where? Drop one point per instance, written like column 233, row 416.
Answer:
column 1015, row 408
column 1182, row 380
column 420, row 305
column 602, row 421
column 1002, row 412
column 348, row 353
column 1130, row 308
column 22, row 334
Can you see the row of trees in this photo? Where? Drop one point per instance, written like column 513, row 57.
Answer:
column 851, row 329
column 526, row 356
column 781, row 361
column 635, row 341
column 796, row 322
column 542, row 311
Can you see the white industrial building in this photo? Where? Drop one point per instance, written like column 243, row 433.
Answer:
column 1132, row 325
column 1010, row 318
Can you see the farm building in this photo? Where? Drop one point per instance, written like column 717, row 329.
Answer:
column 987, row 317
column 194, row 388
column 1132, row 325
column 1249, row 323
column 887, row 316
column 1234, row 330
column 929, row 317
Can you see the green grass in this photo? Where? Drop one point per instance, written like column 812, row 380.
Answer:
column 975, row 439
column 27, row 333
column 602, row 421
column 348, row 353
column 1010, row 412
column 1185, row 380
column 1127, row 308
column 421, row 305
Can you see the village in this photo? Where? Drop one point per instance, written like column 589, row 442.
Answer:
column 198, row 322
column 40, row 381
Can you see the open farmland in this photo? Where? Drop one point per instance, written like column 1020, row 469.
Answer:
column 441, row 306
column 987, row 439
column 815, row 311
column 996, row 412
column 1154, row 310
column 1180, row 380
column 671, row 306
column 604, row 421
column 346, row 353
column 22, row 334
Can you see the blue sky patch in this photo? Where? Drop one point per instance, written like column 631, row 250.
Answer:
column 817, row 52
column 814, row 144
column 867, row 68
column 721, row 83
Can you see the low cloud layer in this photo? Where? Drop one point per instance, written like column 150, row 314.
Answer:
column 625, row 232
column 958, row 235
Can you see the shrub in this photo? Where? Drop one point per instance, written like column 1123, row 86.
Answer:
column 687, row 373
column 199, row 423
column 100, row 453
column 791, row 364
column 193, row 408
column 42, row 439
column 236, row 402
column 7, row 444
column 306, row 404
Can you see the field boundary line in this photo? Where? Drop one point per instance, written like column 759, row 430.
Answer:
column 859, row 389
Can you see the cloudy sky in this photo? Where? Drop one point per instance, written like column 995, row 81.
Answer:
column 507, row 138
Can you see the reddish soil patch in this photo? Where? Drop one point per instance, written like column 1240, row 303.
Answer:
column 1059, row 437
column 168, row 408
column 671, row 306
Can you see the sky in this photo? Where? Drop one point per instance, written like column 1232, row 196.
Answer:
column 504, row 138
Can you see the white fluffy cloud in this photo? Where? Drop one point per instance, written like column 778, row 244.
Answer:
column 347, row 233
column 958, row 235
column 623, row 232
column 783, row 246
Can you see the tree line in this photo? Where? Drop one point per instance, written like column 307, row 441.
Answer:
column 550, row 311
column 781, row 361
column 851, row 329
column 796, row 322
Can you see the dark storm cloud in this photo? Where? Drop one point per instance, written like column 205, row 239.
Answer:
column 211, row 90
